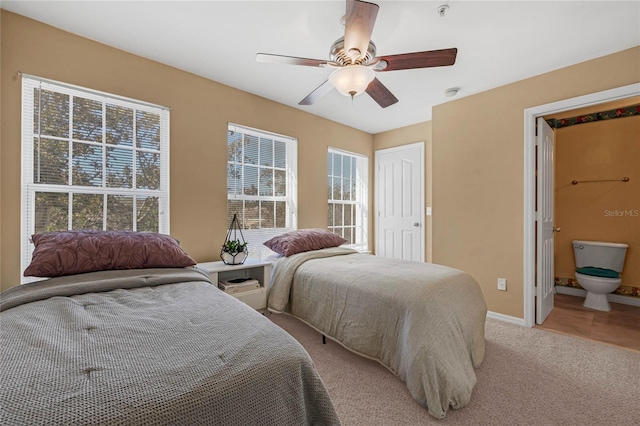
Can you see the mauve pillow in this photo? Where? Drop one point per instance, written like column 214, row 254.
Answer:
column 77, row 252
column 303, row 240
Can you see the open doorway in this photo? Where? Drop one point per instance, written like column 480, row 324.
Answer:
column 530, row 178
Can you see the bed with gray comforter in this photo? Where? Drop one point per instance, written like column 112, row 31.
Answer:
column 424, row 322
column 149, row 347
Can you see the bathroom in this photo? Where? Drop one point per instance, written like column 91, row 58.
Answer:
column 606, row 151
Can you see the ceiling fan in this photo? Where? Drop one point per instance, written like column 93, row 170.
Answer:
column 355, row 62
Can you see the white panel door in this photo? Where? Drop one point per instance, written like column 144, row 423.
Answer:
column 400, row 202
column 546, row 243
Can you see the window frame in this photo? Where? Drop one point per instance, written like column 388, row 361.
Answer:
column 29, row 187
column 257, row 236
column 360, row 225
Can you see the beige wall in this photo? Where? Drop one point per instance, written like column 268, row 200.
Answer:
column 200, row 111
column 420, row 132
column 475, row 163
column 475, row 173
column 598, row 211
column 478, row 171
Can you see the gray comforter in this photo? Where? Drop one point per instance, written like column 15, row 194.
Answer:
column 424, row 322
column 149, row 347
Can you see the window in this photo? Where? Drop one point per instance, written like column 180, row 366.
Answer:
column 261, row 185
column 91, row 160
column 347, row 188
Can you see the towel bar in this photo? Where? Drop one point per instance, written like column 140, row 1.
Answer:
column 624, row 179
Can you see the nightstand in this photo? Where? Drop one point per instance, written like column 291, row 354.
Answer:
column 251, row 268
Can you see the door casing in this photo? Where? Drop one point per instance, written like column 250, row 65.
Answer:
column 530, row 116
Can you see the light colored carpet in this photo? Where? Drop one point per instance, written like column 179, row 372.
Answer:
column 528, row 377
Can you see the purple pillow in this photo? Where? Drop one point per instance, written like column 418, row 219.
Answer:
column 77, row 252
column 303, row 240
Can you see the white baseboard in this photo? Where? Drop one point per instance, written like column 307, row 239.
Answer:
column 505, row 318
column 615, row 298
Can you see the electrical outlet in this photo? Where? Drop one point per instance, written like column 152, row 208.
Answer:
column 502, row 284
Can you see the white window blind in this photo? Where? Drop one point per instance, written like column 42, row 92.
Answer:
column 347, row 190
column 91, row 160
column 261, row 184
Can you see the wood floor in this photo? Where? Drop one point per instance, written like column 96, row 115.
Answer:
column 620, row 326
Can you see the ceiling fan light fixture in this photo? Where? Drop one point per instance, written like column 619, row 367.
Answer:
column 352, row 80
column 353, row 56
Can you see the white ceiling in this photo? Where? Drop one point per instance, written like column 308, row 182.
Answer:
column 498, row 42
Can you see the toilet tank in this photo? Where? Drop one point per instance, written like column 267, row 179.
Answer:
column 599, row 254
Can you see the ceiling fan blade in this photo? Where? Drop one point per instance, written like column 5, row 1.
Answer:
column 358, row 26
column 430, row 58
column 381, row 94
column 317, row 94
column 289, row 60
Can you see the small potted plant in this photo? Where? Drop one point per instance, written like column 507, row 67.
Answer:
column 234, row 252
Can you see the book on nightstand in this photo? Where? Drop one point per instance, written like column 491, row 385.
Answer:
column 237, row 285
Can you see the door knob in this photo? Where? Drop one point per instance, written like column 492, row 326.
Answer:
column 416, row 224
column 556, row 229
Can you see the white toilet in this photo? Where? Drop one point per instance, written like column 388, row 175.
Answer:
column 598, row 269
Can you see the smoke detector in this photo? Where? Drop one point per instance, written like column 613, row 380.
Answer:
column 449, row 93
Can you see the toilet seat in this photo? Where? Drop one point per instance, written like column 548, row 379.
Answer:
column 594, row 271
column 597, row 280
